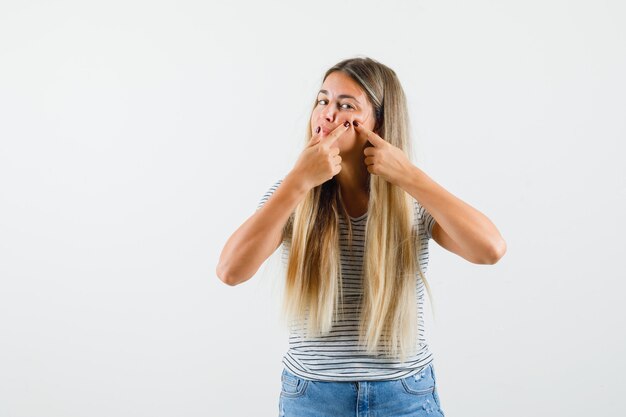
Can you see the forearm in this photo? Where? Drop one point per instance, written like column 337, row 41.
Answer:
column 466, row 226
column 260, row 235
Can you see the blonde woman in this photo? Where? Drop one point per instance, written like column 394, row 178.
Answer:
column 355, row 216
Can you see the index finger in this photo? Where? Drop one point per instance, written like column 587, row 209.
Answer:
column 334, row 135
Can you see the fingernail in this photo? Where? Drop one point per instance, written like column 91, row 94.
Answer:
column 355, row 123
column 347, row 124
column 317, row 130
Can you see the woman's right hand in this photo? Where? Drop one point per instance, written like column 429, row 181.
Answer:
column 320, row 161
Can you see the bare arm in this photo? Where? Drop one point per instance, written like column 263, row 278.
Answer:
column 261, row 234
column 459, row 227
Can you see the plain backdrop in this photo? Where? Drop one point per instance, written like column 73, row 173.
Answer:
column 136, row 136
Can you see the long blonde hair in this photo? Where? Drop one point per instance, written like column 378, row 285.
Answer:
column 313, row 284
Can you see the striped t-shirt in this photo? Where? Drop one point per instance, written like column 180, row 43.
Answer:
column 338, row 355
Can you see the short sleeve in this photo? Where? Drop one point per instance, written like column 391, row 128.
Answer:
column 269, row 192
column 425, row 220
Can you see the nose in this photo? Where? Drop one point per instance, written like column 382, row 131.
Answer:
column 329, row 113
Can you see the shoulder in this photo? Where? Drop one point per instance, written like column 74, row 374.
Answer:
column 424, row 219
column 269, row 192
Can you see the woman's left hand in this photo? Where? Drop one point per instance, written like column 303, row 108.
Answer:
column 384, row 159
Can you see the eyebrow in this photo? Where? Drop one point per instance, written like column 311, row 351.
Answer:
column 341, row 96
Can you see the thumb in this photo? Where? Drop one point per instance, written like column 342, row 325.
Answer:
column 313, row 141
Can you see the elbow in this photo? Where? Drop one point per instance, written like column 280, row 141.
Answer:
column 230, row 276
column 497, row 252
column 224, row 275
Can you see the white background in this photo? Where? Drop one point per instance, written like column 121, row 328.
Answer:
column 135, row 137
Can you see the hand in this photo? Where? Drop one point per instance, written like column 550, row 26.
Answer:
column 320, row 161
column 384, row 159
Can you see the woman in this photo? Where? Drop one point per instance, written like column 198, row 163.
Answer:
column 355, row 216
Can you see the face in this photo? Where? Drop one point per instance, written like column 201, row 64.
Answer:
column 340, row 99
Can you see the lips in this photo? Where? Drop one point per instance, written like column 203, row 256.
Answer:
column 326, row 130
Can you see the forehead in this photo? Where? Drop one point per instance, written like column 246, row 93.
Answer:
column 338, row 82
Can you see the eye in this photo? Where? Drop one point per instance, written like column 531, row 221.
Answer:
column 349, row 106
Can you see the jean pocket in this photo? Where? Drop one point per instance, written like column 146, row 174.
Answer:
column 421, row 383
column 292, row 385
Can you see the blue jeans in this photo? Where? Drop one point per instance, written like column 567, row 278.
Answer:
column 411, row 396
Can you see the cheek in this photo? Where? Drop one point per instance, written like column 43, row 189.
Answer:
column 365, row 117
column 315, row 114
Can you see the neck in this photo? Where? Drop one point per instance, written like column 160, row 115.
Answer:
column 353, row 176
